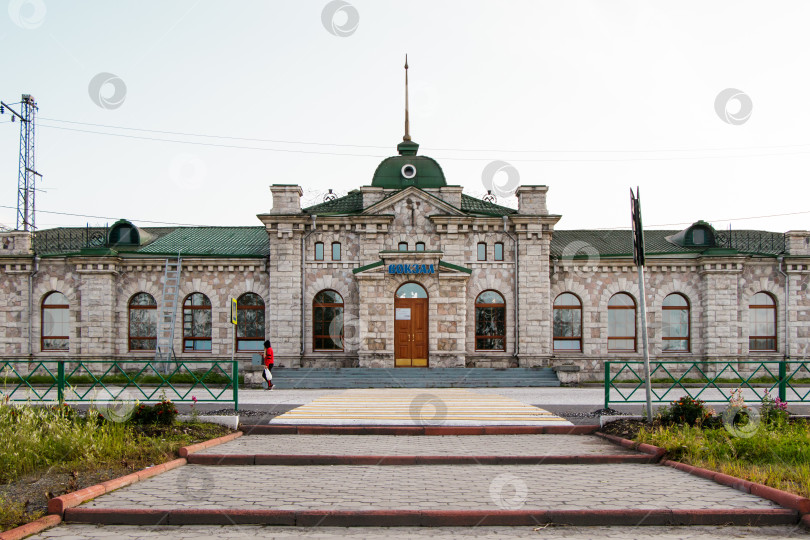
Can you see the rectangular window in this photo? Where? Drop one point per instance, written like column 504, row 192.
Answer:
column 498, row 251
column 420, row 246
column 318, row 251
column 403, row 246
column 482, row 251
column 335, row 251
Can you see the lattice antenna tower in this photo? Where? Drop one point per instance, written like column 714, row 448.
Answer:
column 26, row 179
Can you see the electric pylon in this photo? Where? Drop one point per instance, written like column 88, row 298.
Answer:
column 26, row 180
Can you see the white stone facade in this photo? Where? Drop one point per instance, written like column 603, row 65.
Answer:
column 718, row 287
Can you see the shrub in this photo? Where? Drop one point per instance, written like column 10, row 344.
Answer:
column 686, row 410
column 773, row 411
column 163, row 413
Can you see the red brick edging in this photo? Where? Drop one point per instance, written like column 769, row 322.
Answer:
column 641, row 447
column 782, row 498
column 185, row 451
column 58, row 505
column 429, row 518
column 45, row 522
column 331, row 459
column 416, row 430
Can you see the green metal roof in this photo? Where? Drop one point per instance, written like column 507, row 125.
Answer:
column 353, row 203
column 212, row 241
column 190, row 241
column 348, row 204
column 583, row 243
column 388, row 175
column 472, row 205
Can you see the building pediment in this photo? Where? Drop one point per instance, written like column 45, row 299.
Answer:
column 389, row 204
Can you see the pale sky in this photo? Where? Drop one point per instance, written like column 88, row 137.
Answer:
column 587, row 97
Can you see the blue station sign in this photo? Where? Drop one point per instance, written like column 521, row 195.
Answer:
column 411, row 269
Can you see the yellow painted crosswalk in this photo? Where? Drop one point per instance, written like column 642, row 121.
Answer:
column 418, row 407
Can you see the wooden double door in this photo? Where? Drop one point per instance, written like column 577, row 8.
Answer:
column 411, row 332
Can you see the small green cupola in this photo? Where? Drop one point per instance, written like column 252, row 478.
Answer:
column 408, row 169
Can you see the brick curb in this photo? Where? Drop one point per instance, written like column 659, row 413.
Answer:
column 58, row 505
column 37, row 526
column 330, row 459
column 185, row 451
column 782, row 498
column 430, row 518
column 641, row 447
column 417, row 430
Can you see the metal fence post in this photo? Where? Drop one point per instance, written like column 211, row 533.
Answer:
column 235, row 372
column 607, row 385
column 60, row 381
column 783, row 379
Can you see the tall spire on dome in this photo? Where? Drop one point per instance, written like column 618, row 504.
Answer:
column 407, row 136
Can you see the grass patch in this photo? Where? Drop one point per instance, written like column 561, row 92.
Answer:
column 777, row 456
column 49, row 451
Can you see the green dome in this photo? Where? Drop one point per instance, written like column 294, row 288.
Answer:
column 394, row 172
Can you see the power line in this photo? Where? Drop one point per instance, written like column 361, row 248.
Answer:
column 446, row 158
column 114, row 218
column 710, row 221
column 501, row 150
column 597, row 229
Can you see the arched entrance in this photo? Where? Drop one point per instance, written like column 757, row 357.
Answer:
column 411, row 326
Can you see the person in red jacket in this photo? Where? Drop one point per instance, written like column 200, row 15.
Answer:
column 268, row 364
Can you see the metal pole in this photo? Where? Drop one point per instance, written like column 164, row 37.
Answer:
column 607, row 385
column 234, row 368
column 235, row 373
column 643, row 302
column 60, row 381
column 783, row 380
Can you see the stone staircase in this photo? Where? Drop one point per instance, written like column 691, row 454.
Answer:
column 298, row 378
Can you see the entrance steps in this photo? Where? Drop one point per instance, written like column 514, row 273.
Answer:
column 299, row 378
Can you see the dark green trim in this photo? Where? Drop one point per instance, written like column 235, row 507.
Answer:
column 443, row 264
column 367, row 267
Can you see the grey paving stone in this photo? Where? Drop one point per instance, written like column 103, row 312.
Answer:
column 76, row 532
column 448, row 445
column 473, row 487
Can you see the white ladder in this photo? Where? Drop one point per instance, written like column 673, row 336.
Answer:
column 167, row 314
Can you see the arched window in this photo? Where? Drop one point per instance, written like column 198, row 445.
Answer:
column 327, row 321
column 142, row 322
column 675, row 315
column 498, row 251
column 249, row 322
column 762, row 323
column 482, row 251
column 402, row 246
column 335, row 251
column 420, row 246
column 490, row 322
column 197, row 323
column 622, row 323
column 567, row 323
column 411, row 290
column 318, row 251
column 55, row 322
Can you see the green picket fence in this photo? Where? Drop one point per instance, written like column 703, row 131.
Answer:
column 88, row 381
column 708, row 381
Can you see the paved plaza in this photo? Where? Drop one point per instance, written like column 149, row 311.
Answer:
column 429, row 487
column 447, row 445
column 242, row 532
